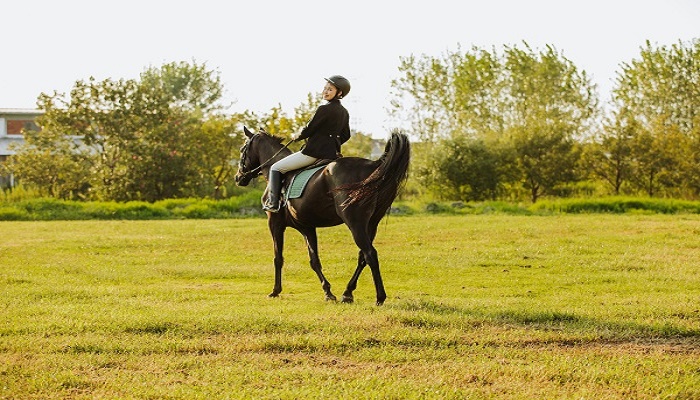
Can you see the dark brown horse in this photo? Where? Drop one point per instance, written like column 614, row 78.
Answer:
column 350, row 190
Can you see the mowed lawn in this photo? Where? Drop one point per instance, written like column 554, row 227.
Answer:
column 489, row 306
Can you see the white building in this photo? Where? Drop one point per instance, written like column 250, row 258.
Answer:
column 12, row 122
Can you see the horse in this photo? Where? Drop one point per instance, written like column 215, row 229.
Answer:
column 351, row 190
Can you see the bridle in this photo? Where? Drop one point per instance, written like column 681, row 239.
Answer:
column 257, row 170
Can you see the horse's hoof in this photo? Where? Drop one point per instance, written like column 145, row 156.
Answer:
column 348, row 299
column 379, row 303
column 273, row 294
column 330, row 297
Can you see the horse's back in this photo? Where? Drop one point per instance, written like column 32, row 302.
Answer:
column 348, row 170
column 318, row 205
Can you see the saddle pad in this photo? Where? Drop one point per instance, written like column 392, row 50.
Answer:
column 299, row 181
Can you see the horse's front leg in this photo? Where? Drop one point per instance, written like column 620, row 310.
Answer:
column 315, row 261
column 277, row 229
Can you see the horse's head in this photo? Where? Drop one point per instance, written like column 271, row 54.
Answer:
column 259, row 151
column 249, row 162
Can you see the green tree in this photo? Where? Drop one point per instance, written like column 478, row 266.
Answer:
column 278, row 122
column 359, row 145
column 419, row 96
column 537, row 103
column 470, row 169
column 305, row 111
column 552, row 104
column 608, row 154
column 54, row 163
column 144, row 138
column 188, row 86
column 660, row 92
column 219, row 142
column 657, row 154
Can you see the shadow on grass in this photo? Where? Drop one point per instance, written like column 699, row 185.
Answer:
column 428, row 314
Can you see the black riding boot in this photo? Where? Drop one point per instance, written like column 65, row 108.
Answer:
column 274, row 185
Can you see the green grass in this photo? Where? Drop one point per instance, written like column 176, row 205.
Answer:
column 480, row 306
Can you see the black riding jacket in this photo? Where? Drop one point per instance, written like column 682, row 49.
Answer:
column 328, row 129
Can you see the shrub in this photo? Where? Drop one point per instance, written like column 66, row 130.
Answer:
column 13, row 214
column 197, row 211
column 50, row 209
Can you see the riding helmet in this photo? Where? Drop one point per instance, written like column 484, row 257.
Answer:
column 341, row 83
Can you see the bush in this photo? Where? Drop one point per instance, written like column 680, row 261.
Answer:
column 618, row 205
column 13, row 214
column 50, row 209
column 197, row 211
column 248, row 206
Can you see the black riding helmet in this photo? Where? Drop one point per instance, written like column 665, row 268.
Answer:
column 340, row 83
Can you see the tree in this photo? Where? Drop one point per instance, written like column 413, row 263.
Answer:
column 188, row 86
column 608, row 155
column 277, row 122
column 53, row 163
column 305, row 111
column 656, row 155
column 220, row 141
column 660, row 92
column 359, row 145
column 537, row 103
column 469, row 167
column 142, row 140
column 552, row 104
column 547, row 158
column 418, row 96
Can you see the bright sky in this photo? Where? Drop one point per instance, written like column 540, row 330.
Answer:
column 271, row 52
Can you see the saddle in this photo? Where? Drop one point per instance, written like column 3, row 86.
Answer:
column 294, row 182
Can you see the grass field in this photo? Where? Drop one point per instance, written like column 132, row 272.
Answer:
column 486, row 306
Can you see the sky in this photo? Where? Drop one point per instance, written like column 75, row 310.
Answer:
column 272, row 53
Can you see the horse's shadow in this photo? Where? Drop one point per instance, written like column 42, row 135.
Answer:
column 574, row 329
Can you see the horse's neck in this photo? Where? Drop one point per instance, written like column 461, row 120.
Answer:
column 272, row 154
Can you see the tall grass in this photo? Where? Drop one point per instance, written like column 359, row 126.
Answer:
column 27, row 208
column 618, row 205
column 50, row 209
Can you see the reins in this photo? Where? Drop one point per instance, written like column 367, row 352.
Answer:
column 257, row 169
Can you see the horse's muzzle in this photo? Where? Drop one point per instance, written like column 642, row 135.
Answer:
column 242, row 179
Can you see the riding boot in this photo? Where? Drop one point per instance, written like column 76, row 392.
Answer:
column 274, row 185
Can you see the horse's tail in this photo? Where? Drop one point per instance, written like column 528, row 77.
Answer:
column 384, row 183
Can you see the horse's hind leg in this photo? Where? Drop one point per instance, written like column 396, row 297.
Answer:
column 315, row 261
column 368, row 256
column 352, row 285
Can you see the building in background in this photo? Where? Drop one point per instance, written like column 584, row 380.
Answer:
column 12, row 122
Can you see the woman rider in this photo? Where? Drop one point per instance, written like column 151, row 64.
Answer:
column 328, row 129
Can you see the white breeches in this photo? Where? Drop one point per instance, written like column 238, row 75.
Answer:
column 293, row 161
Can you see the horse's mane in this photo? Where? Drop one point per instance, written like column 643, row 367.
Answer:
column 276, row 138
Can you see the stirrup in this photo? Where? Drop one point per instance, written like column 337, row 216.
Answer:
column 268, row 206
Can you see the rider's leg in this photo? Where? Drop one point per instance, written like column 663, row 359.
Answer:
column 274, row 180
column 274, row 184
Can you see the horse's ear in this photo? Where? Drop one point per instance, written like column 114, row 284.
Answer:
column 247, row 132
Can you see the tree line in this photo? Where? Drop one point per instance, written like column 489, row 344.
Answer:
column 511, row 123
column 157, row 137
column 519, row 122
